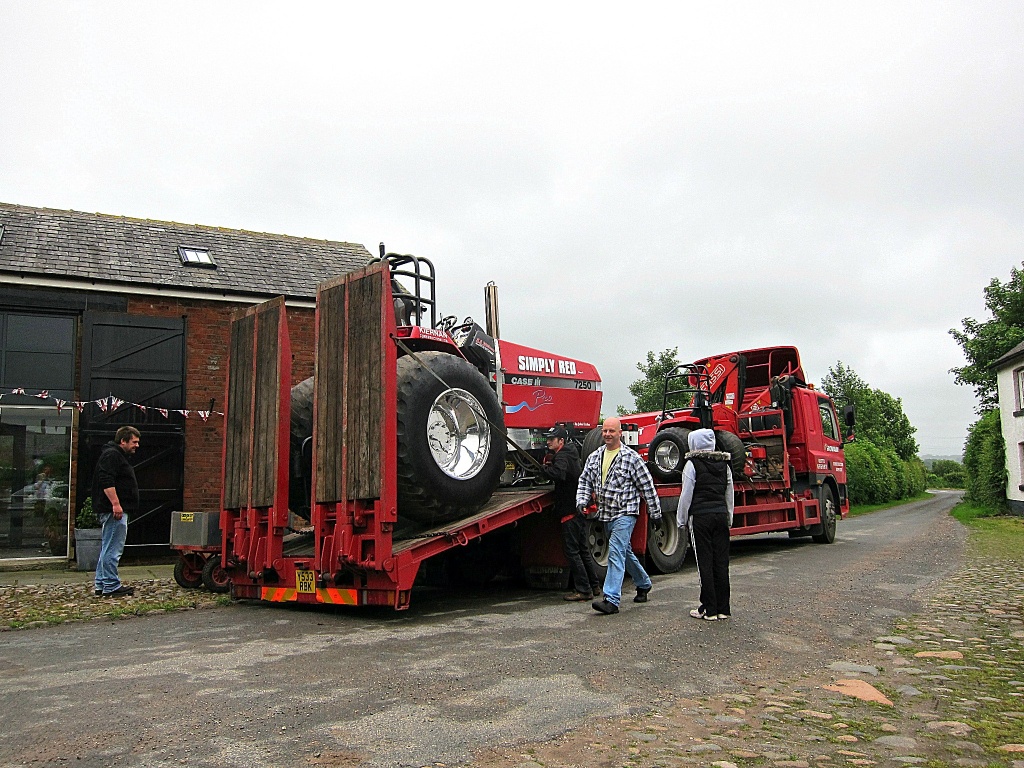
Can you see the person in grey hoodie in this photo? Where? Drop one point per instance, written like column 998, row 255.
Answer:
column 705, row 509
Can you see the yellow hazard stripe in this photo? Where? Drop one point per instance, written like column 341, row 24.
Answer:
column 277, row 594
column 338, row 596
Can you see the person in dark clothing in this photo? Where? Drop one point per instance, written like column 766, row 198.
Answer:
column 115, row 495
column 706, row 508
column 562, row 464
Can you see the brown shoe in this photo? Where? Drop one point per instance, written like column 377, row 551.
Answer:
column 578, row 597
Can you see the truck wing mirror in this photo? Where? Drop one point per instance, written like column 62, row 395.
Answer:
column 850, row 415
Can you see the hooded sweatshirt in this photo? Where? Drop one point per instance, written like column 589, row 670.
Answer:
column 707, row 479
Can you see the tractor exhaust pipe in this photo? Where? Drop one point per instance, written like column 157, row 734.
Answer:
column 493, row 330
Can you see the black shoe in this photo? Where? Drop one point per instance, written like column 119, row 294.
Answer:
column 603, row 606
column 121, row 591
column 597, row 589
column 97, row 592
column 641, row 595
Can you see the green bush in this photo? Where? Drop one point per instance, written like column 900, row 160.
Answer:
column 86, row 517
column 878, row 475
column 917, row 477
column 985, row 462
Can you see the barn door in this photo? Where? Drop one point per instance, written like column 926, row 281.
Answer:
column 137, row 359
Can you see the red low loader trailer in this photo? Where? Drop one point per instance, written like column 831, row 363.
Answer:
column 416, row 439
column 784, row 435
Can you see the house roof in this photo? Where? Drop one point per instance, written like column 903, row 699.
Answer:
column 1009, row 357
column 104, row 249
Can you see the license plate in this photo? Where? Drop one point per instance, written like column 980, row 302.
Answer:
column 305, row 582
column 188, row 517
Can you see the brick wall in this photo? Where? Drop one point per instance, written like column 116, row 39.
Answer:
column 207, row 334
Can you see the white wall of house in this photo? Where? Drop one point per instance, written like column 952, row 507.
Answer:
column 1010, row 381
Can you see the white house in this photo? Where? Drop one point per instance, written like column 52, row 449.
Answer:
column 1010, row 381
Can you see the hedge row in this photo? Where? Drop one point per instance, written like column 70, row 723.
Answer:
column 985, row 462
column 876, row 475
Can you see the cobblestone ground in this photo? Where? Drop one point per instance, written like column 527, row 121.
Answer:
column 39, row 605
column 948, row 684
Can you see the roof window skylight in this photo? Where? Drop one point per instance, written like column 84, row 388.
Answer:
column 198, row 257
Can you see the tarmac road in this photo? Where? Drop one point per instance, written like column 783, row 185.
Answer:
column 254, row 684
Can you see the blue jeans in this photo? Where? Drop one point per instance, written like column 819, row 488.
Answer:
column 111, row 547
column 621, row 559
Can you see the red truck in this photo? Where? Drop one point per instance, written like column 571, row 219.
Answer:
column 784, row 436
column 416, row 440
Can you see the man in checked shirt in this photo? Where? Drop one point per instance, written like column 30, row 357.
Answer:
column 618, row 477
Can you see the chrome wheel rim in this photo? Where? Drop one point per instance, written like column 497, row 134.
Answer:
column 666, row 456
column 458, row 434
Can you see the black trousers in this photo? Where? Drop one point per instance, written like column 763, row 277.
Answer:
column 581, row 560
column 710, row 537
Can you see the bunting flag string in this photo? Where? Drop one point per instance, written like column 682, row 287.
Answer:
column 110, row 403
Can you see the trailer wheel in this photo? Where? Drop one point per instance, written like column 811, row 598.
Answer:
column 450, row 457
column 591, row 443
column 667, row 452
column 666, row 545
column 825, row 531
column 188, row 571
column 731, row 444
column 215, row 578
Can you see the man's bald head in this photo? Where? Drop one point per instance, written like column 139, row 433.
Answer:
column 611, row 433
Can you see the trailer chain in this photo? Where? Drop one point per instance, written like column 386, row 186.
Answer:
column 501, row 430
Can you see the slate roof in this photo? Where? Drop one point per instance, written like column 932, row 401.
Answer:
column 1008, row 358
column 97, row 247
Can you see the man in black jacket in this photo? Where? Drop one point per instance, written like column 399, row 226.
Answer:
column 562, row 464
column 115, row 494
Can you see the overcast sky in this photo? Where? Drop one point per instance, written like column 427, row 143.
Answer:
column 843, row 177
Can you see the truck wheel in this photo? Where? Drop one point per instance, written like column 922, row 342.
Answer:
column 187, row 572
column 666, row 455
column 597, row 542
column 215, row 578
column 450, row 457
column 731, row 444
column 825, row 531
column 591, row 443
column 666, row 544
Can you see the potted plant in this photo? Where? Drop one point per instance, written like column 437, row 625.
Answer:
column 87, row 536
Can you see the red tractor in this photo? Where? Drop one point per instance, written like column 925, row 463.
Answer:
column 783, row 434
column 416, row 436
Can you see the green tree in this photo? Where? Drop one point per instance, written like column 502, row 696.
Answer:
column 649, row 391
column 880, row 416
column 985, row 462
column 985, row 342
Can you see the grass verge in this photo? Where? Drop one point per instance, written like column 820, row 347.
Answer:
column 864, row 509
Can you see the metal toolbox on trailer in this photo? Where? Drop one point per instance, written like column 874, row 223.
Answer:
column 195, row 529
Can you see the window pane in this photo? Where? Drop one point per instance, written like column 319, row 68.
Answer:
column 40, row 370
column 31, row 333
column 35, row 455
column 828, row 423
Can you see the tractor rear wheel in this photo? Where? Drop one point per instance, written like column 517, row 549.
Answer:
column 825, row 531
column 731, row 444
column 451, row 444
column 666, row 455
column 591, row 443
